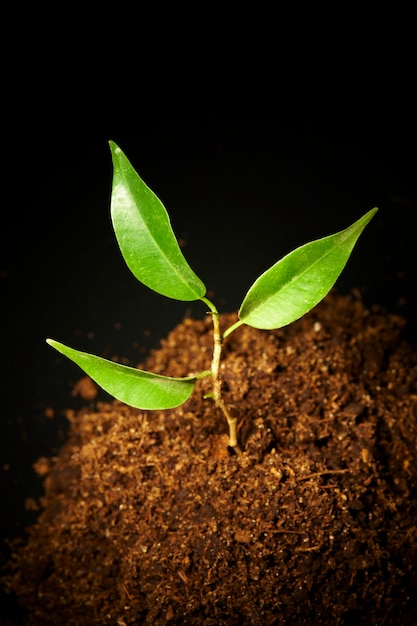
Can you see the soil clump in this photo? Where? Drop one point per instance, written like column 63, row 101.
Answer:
column 148, row 518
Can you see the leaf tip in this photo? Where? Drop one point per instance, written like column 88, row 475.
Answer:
column 365, row 219
column 52, row 343
column 114, row 148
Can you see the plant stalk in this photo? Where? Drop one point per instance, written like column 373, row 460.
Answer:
column 217, row 383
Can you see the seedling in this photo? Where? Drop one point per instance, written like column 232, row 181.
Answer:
column 282, row 294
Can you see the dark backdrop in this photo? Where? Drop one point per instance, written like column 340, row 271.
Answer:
column 247, row 169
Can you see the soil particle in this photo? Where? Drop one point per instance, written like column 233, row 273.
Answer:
column 148, row 518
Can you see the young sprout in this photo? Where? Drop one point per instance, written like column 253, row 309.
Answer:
column 282, row 294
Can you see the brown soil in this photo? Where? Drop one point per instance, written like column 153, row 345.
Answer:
column 148, row 518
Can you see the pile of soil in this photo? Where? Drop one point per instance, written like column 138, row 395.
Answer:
column 148, row 518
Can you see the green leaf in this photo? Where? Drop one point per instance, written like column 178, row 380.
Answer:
column 135, row 387
column 145, row 237
column 298, row 282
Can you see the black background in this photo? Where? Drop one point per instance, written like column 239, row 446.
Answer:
column 253, row 153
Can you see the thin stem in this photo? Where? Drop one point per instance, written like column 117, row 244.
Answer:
column 217, row 384
column 231, row 328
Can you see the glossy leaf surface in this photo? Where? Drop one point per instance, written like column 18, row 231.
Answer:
column 137, row 388
column 145, row 236
column 300, row 280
